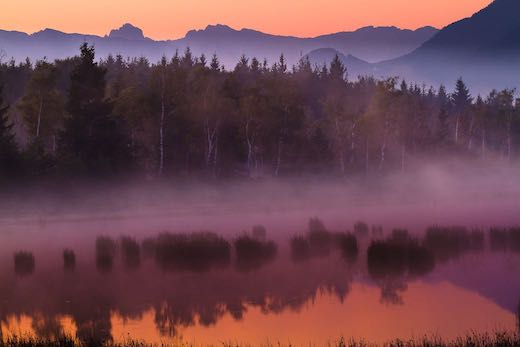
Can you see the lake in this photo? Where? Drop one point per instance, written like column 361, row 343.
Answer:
column 436, row 285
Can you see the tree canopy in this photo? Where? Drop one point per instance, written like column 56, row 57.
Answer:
column 188, row 115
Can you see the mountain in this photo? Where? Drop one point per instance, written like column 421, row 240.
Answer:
column 370, row 43
column 52, row 44
column 127, row 32
column 375, row 44
column 483, row 49
column 489, row 29
column 324, row 56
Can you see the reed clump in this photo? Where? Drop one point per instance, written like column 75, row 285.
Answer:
column 196, row 251
column 252, row 253
column 24, row 263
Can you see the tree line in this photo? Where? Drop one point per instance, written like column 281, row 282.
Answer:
column 189, row 116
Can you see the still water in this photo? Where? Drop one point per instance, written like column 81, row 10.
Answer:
column 280, row 298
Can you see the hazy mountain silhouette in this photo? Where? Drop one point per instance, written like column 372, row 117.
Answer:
column 483, row 49
column 127, row 32
column 324, row 56
column 370, row 43
column 492, row 28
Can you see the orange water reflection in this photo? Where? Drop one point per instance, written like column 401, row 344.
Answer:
column 440, row 309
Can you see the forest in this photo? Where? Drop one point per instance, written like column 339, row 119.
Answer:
column 190, row 116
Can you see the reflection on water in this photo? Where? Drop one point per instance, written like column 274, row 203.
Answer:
column 201, row 287
column 24, row 263
column 69, row 260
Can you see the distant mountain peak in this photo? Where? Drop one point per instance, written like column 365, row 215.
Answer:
column 371, row 27
column 219, row 28
column 212, row 30
column 127, row 32
column 427, row 28
column 47, row 31
column 48, row 34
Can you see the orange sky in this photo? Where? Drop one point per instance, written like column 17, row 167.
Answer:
column 163, row 19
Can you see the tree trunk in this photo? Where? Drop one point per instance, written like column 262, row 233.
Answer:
column 352, row 143
column 54, row 143
column 470, row 140
column 366, row 156
column 40, row 110
column 278, row 157
column 483, row 143
column 403, row 157
column 382, row 155
column 283, row 132
column 339, row 146
column 509, row 141
column 250, row 139
column 211, row 144
column 215, row 156
column 161, row 126
column 457, row 121
column 132, row 142
column 383, row 148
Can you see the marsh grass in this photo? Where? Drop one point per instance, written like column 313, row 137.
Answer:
column 361, row 229
column 505, row 239
column 252, row 253
column 399, row 255
column 69, row 260
column 452, row 242
column 24, row 263
column 319, row 242
column 348, row 246
column 319, row 238
column 196, row 251
column 130, row 251
column 498, row 339
column 106, row 249
column 315, row 243
column 148, row 247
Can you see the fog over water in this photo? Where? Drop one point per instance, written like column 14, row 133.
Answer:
column 451, row 193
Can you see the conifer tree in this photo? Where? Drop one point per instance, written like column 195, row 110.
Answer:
column 461, row 100
column 92, row 141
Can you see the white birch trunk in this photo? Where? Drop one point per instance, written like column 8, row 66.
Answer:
column 39, row 121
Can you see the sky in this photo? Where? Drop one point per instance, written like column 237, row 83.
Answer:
column 170, row 19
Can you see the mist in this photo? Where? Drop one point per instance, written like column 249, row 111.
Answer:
column 454, row 192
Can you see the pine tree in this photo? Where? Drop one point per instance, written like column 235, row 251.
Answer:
column 215, row 64
column 461, row 97
column 92, row 141
column 461, row 100
column 338, row 71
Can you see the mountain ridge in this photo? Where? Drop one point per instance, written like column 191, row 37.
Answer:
column 229, row 43
column 483, row 49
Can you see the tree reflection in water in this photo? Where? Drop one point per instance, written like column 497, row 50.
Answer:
column 187, row 280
